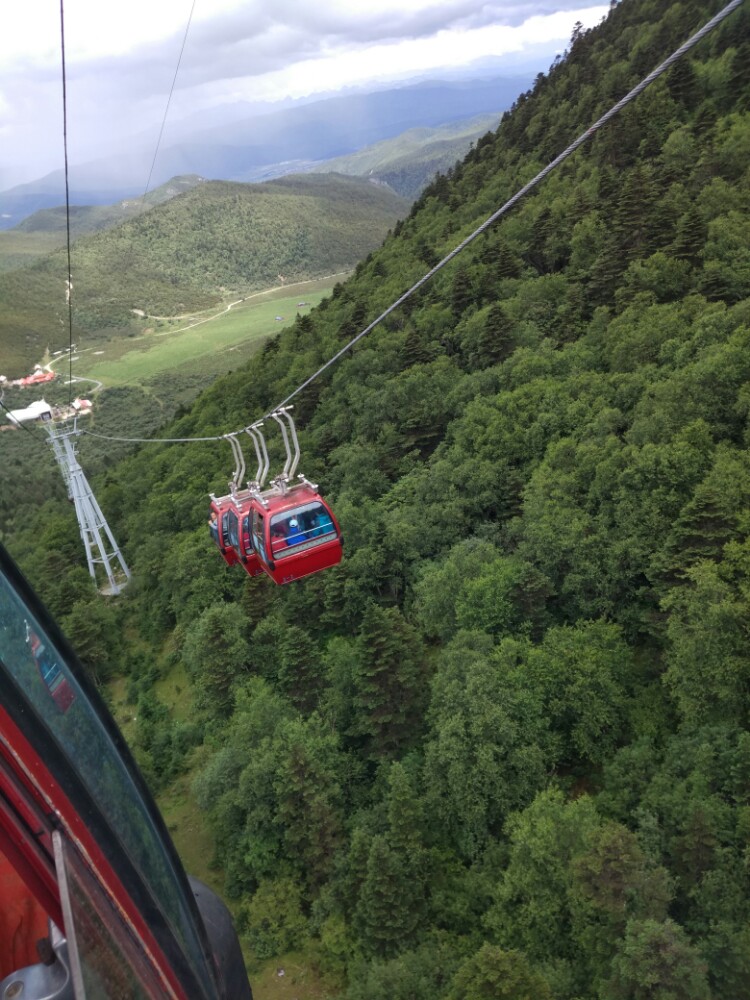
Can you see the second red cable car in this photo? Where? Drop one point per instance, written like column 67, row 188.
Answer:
column 231, row 531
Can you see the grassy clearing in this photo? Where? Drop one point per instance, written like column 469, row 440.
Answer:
column 190, row 833
column 124, row 713
column 299, row 981
column 168, row 345
column 175, row 690
column 184, row 819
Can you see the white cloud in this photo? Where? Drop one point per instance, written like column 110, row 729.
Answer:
column 121, row 59
column 350, row 66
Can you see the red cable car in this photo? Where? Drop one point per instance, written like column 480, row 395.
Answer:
column 52, row 675
column 94, row 901
column 229, row 519
column 287, row 531
column 295, row 533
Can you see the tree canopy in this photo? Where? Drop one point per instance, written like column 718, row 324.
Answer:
column 503, row 748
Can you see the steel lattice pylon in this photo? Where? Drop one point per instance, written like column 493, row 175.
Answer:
column 101, row 548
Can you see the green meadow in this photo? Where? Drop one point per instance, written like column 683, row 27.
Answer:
column 211, row 342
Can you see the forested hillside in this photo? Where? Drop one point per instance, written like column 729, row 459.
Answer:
column 91, row 218
column 191, row 252
column 503, row 749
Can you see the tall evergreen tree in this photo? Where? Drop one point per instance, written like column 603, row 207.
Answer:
column 385, row 913
column 389, row 685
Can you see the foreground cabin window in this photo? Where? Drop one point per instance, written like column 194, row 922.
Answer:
column 300, row 528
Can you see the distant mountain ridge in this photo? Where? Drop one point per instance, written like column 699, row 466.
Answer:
column 405, row 163
column 269, row 145
column 91, row 218
column 408, row 162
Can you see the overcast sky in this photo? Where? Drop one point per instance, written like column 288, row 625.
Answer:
column 121, row 59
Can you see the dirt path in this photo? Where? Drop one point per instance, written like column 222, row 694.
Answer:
column 247, row 298
column 292, row 286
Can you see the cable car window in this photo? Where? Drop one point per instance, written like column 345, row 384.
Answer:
column 57, row 704
column 258, row 542
column 213, row 526
column 224, row 529
column 247, row 542
column 301, row 528
column 233, row 526
column 111, row 966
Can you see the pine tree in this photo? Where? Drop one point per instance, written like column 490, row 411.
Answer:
column 536, row 253
column 385, row 913
column 657, row 962
column 633, row 217
column 389, row 682
column 684, row 85
column 414, row 351
column 310, row 798
column 299, row 673
column 508, row 265
column 605, row 272
column 739, row 80
column 494, row 974
column 462, row 293
column 495, row 342
column 691, row 237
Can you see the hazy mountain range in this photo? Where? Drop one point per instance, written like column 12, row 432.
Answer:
column 296, row 139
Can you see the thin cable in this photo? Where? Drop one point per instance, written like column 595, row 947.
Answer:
column 69, row 281
column 169, row 101
column 591, row 131
column 188, row 440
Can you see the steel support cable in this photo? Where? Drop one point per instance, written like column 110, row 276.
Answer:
column 588, row 134
column 69, row 280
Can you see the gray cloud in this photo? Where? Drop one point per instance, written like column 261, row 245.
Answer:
column 323, row 23
column 257, row 39
column 112, row 98
column 254, row 40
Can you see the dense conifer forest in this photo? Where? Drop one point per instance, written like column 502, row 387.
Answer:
column 503, row 749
